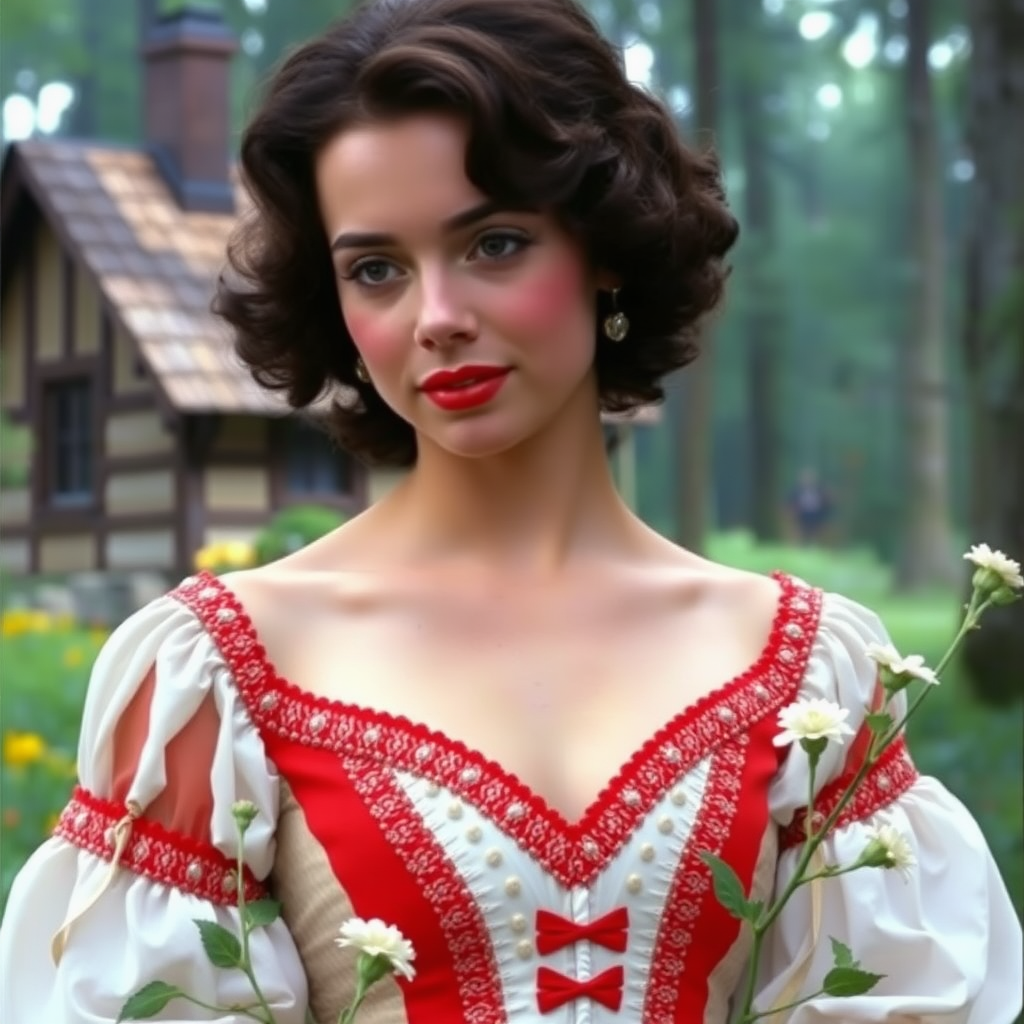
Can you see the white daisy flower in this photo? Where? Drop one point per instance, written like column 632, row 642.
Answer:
column 812, row 719
column 1002, row 570
column 888, row 848
column 912, row 665
column 377, row 939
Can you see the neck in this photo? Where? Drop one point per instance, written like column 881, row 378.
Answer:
column 531, row 511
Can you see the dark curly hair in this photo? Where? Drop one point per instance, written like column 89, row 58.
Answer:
column 552, row 124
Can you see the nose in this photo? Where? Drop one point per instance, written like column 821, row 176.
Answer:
column 444, row 318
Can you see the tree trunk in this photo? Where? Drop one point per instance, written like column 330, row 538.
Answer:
column 765, row 304
column 993, row 335
column 694, row 474
column 928, row 542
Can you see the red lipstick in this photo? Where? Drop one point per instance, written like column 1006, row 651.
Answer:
column 465, row 387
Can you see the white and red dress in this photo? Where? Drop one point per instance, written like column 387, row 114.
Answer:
column 517, row 915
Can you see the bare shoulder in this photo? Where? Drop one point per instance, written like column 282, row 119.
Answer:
column 742, row 604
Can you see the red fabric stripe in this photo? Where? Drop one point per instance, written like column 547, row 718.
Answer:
column 718, row 928
column 372, row 874
column 153, row 851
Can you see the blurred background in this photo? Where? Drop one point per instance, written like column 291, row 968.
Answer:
column 857, row 418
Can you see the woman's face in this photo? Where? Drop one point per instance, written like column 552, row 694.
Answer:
column 476, row 323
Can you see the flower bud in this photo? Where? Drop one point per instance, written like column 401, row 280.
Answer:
column 244, row 811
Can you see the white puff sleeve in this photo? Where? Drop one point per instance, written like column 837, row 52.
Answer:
column 945, row 935
column 140, row 928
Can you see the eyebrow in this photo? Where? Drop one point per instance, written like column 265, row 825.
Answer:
column 465, row 219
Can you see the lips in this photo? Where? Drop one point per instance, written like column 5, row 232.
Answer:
column 465, row 387
column 462, row 376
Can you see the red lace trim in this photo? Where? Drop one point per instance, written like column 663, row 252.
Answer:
column 891, row 776
column 157, row 853
column 467, row 939
column 573, row 852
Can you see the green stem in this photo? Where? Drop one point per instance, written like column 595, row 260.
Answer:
column 788, row 1006
column 348, row 1014
column 246, row 964
column 244, row 1010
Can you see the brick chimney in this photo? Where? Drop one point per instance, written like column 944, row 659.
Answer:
column 186, row 58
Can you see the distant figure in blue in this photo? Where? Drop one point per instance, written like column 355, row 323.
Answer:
column 811, row 507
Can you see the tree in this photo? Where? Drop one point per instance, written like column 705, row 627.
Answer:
column 993, row 333
column 695, row 420
column 928, row 544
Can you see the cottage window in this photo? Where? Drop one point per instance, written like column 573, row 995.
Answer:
column 313, row 464
column 68, row 409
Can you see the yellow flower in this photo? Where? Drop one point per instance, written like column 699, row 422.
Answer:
column 73, row 657
column 14, row 622
column 22, row 748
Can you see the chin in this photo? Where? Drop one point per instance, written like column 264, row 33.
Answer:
column 474, row 439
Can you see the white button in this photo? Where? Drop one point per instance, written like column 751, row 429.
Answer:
column 433, row 789
column 524, row 949
column 474, row 833
column 665, row 824
column 513, row 886
column 470, row 775
column 679, row 796
column 647, row 852
column 634, row 883
column 493, row 858
column 517, row 923
column 455, row 810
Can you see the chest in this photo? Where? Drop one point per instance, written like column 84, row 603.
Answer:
column 560, row 687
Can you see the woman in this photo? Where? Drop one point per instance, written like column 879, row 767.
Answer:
column 473, row 234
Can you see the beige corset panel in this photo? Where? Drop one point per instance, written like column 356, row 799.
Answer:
column 314, row 906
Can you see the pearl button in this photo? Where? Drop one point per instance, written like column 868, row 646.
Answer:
column 647, row 852
column 665, row 824
column 794, row 631
column 524, row 949
column 493, row 858
column 761, row 692
column 470, row 775
column 679, row 796
column 194, row 871
column 433, row 789
column 455, row 810
column 513, row 887
column 267, row 701
column 726, row 714
column 423, row 752
column 518, row 923
column 515, row 811
column 317, row 722
column 631, row 797
column 634, row 883
column 372, row 734
column 474, row 833
column 590, row 848
column 673, row 754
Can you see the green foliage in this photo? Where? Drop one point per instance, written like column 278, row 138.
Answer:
column 148, row 1001
column 294, row 528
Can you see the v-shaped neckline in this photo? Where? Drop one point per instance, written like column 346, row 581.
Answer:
column 572, row 848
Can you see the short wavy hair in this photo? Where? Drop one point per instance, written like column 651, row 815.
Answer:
column 553, row 123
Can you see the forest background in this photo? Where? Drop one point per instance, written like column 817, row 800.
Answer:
column 873, row 332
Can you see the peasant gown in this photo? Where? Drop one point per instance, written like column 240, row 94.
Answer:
column 516, row 914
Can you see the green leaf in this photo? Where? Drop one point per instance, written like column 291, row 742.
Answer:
column 223, row 948
column 879, row 721
column 148, row 1001
column 849, row 981
column 729, row 889
column 260, row 913
column 842, row 955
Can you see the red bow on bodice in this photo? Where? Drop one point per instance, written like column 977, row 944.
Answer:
column 554, row 989
column 554, row 932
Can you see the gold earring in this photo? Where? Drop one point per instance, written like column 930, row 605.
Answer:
column 616, row 324
column 361, row 371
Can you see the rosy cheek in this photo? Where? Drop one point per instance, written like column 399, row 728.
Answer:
column 371, row 332
column 544, row 302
